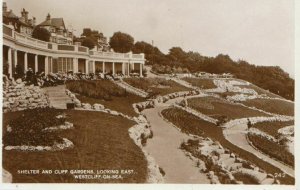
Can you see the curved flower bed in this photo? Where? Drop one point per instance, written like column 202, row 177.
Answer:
column 272, row 148
column 37, row 130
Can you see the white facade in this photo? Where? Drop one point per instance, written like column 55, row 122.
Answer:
column 63, row 58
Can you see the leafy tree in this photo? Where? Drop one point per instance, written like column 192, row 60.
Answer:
column 41, row 34
column 121, row 42
column 89, row 43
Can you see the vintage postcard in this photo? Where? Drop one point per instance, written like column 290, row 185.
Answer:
column 197, row 92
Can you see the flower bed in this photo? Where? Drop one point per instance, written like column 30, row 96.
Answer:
column 156, row 86
column 276, row 106
column 101, row 89
column 32, row 129
column 272, row 148
column 201, row 83
column 215, row 107
column 272, row 127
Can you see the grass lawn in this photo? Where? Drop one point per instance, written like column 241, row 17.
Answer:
column 191, row 124
column 101, row 142
column 215, row 107
column 121, row 104
column 201, row 83
column 156, row 86
column 272, row 127
column 274, row 106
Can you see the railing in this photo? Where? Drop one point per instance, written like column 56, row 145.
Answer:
column 66, row 47
column 28, row 41
column 137, row 56
column 82, row 49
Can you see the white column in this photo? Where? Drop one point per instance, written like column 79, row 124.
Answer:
column 9, row 63
column 103, row 67
column 36, row 68
column 123, row 68
column 128, row 68
column 46, row 66
column 25, row 62
column 86, row 66
column 16, row 58
column 113, row 68
column 75, row 65
column 94, row 66
column 141, row 69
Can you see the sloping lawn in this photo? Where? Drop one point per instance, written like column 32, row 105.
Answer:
column 215, row 108
column 156, row 86
column 272, row 127
column 201, row 83
column 191, row 124
column 274, row 106
column 101, row 142
column 120, row 104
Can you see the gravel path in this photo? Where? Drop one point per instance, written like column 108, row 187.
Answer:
column 164, row 147
column 237, row 136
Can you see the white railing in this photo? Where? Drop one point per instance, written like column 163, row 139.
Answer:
column 26, row 40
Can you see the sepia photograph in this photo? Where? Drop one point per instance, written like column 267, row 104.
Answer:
column 197, row 92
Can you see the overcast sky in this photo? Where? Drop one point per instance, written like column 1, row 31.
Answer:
column 258, row 31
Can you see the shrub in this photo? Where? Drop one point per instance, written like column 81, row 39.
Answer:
column 163, row 173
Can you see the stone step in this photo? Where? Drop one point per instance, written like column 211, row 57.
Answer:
column 58, row 97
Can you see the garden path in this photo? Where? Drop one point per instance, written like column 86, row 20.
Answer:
column 57, row 96
column 164, row 147
column 237, row 136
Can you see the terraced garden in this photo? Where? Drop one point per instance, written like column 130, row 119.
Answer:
column 156, row 86
column 101, row 141
column 215, row 107
column 201, row 83
column 273, row 106
column 193, row 125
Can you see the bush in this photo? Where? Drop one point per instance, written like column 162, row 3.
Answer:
column 163, row 173
column 28, row 129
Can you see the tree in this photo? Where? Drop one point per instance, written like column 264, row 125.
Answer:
column 89, row 43
column 121, row 42
column 41, row 34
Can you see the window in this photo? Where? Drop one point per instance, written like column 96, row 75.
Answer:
column 65, row 64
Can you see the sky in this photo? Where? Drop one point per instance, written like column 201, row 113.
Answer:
column 258, row 31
